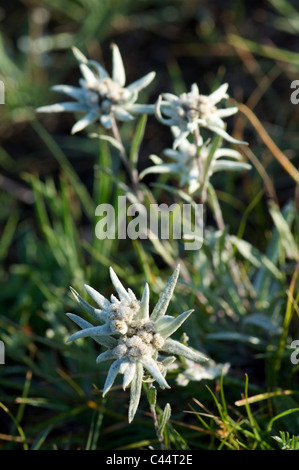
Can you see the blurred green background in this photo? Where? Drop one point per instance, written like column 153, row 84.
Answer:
column 50, row 182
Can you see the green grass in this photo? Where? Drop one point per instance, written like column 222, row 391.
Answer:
column 243, row 282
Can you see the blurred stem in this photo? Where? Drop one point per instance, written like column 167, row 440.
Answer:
column 203, row 188
column 290, row 308
column 235, row 271
column 152, row 400
column 132, row 172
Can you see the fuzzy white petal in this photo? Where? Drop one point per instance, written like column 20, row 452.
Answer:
column 91, row 117
column 102, row 73
column 79, row 55
column 97, row 297
column 118, row 70
column 123, row 294
column 135, row 391
column 167, row 325
column 113, row 371
column 129, row 374
column 94, row 312
column 106, row 341
column 106, row 356
column 93, row 331
column 141, row 82
column 152, row 367
column 219, row 94
column 166, row 295
column 68, row 106
column 175, row 347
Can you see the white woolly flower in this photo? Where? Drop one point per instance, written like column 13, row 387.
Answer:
column 190, row 111
column 134, row 338
column 100, row 96
column 189, row 160
column 196, row 372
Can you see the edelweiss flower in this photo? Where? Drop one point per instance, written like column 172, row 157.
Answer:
column 190, row 111
column 100, row 96
column 134, row 338
column 188, row 160
column 196, row 372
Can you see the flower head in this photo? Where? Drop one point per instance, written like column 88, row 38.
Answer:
column 102, row 97
column 196, row 372
column 190, row 111
column 188, row 160
column 135, row 339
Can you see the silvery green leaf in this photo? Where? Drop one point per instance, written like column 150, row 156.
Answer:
column 85, row 121
column 68, row 106
column 236, row 336
column 79, row 55
column 102, row 302
column 165, row 297
column 173, row 154
column 93, row 331
column 74, row 92
column 226, row 112
column 129, row 374
column 152, row 396
column 142, row 82
column 168, row 361
column 94, row 312
column 111, row 376
column 168, row 111
column 225, row 135
column 123, row 365
column 122, row 114
column 88, row 75
column 143, row 313
column 102, row 73
column 152, row 367
column 165, row 418
column 169, row 97
column 194, row 89
column 227, row 165
column 118, row 70
column 158, row 106
column 106, row 356
column 106, row 341
column 167, row 325
column 255, row 257
column 219, row 94
column 183, row 135
column 225, row 152
column 123, row 294
column 106, row 121
column 135, row 391
column 114, row 299
column 175, row 347
column 131, row 294
column 163, row 168
column 140, row 108
column 115, row 143
column 79, row 321
column 286, row 237
column 263, row 321
column 155, row 159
